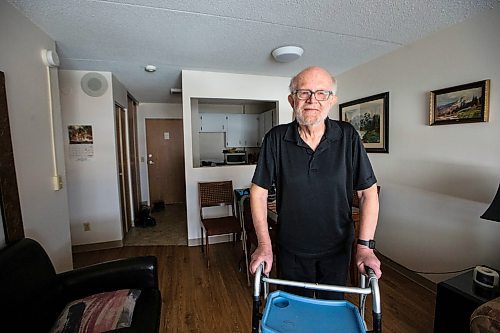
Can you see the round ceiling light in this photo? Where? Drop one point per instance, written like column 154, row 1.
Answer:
column 150, row 68
column 287, row 53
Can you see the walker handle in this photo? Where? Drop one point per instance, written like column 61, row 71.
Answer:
column 376, row 308
column 370, row 272
column 256, row 299
column 258, row 275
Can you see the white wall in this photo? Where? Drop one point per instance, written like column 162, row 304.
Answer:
column 44, row 211
column 436, row 181
column 119, row 92
column 151, row 111
column 93, row 190
column 197, row 85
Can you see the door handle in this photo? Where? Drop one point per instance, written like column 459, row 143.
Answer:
column 151, row 162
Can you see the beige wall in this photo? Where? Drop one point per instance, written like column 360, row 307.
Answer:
column 436, row 181
column 93, row 190
column 44, row 211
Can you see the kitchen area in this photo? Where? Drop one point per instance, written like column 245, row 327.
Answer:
column 230, row 132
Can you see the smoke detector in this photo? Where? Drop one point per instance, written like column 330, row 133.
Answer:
column 287, row 53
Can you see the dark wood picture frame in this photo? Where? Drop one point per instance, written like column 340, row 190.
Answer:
column 466, row 103
column 10, row 207
column 370, row 117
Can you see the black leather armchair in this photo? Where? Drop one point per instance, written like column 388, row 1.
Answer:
column 32, row 295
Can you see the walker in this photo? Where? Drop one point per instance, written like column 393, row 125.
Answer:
column 288, row 313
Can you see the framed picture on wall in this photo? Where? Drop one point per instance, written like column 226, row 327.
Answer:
column 370, row 117
column 466, row 103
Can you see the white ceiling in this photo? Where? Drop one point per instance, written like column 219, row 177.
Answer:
column 122, row 36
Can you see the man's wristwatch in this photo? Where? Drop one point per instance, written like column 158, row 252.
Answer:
column 370, row 243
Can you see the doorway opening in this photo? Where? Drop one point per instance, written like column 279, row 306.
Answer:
column 167, row 187
column 165, row 158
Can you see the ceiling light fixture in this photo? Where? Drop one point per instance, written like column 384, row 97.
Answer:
column 150, row 68
column 287, row 53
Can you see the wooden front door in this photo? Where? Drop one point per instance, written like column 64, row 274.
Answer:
column 165, row 154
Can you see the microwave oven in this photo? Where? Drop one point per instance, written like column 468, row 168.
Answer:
column 235, row 158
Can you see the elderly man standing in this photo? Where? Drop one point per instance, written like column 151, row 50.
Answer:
column 316, row 163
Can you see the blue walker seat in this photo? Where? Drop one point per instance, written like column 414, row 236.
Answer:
column 285, row 312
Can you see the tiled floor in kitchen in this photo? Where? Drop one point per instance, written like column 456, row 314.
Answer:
column 170, row 228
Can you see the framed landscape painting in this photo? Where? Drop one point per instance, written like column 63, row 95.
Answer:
column 467, row 103
column 370, row 117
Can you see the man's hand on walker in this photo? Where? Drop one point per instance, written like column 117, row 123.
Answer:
column 366, row 257
column 263, row 254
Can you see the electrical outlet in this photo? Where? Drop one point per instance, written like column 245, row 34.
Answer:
column 86, row 226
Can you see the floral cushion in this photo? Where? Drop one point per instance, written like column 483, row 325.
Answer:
column 98, row 313
column 486, row 318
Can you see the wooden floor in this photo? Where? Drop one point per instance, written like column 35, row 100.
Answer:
column 197, row 299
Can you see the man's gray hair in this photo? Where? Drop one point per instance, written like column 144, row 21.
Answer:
column 293, row 83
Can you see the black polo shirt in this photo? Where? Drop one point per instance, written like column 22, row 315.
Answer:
column 314, row 188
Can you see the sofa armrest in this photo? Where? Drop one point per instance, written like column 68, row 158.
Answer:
column 486, row 317
column 129, row 273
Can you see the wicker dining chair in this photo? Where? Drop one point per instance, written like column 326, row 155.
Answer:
column 217, row 194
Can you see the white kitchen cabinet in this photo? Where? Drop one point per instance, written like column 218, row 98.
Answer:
column 242, row 130
column 213, row 123
column 251, row 130
column 265, row 124
column 233, row 134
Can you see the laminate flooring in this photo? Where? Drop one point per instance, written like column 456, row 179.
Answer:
column 218, row 299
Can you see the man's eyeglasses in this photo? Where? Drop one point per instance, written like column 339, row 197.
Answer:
column 320, row 95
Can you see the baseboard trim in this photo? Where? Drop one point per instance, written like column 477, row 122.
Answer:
column 96, row 246
column 418, row 279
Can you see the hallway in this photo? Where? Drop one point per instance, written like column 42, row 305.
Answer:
column 170, row 228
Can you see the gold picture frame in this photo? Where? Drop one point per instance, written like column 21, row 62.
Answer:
column 466, row 103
